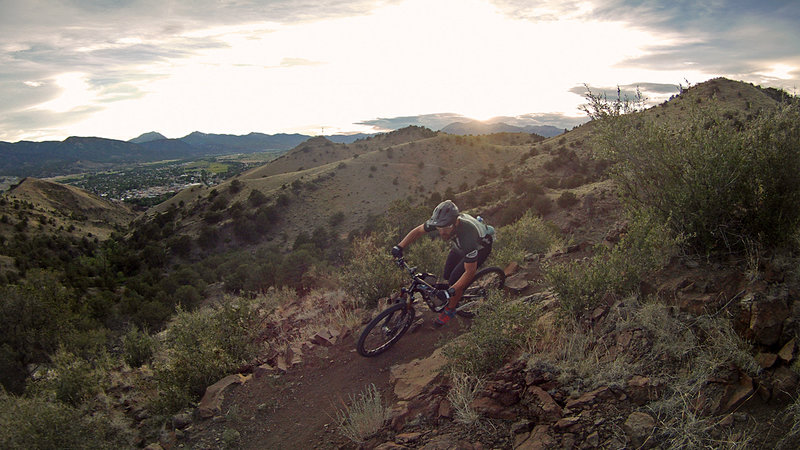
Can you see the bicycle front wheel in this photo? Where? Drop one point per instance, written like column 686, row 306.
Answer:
column 385, row 329
column 486, row 282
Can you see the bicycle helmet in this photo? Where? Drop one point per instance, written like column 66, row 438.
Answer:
column 444, row 215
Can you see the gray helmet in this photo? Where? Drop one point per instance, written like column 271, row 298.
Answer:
column 444, row 215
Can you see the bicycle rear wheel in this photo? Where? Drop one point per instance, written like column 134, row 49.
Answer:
column 485, row 282
column 385, row 329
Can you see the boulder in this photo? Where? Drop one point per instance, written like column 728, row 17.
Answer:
column 643, row 390
column 511, row 268
column 411, row 379
column 764, row 317
column 211, row 402
column 784, row 384
column 539, row 439
column 736, row 393
column 603, row 393
column 788, row 351
column 390, row 446
column 326, row 338
column 517, row 282
column 405, row 438
column 543, row 404
column 445, row 409
column 593, row 439
column 639, row 428
column 567, row 423
column 766, row 360
column 181, row 421
column 522, row 426
column 447, row 442
column 492, row 408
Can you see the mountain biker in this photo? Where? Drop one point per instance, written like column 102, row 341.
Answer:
column 472, row 244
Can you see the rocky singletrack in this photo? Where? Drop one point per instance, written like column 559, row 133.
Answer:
column 298, row 409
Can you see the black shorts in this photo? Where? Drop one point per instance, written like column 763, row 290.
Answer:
column 454, row 266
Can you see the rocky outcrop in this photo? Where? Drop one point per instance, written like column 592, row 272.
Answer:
column 211, row 402
column 639, row 428
column 411, row 380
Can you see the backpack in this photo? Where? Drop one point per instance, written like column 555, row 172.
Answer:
column 483, row 229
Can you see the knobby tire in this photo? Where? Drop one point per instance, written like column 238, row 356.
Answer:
column 385, row 329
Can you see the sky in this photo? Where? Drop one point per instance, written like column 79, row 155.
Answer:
column 120, row 68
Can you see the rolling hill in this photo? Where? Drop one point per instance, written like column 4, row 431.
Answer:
column 60, row 208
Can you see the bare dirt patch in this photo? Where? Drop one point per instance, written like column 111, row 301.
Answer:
column 298, row 409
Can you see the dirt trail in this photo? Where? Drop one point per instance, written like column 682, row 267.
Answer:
column 297, row 410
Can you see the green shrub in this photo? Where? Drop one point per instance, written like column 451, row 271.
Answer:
column 202, row 347
column 35, row 319
column 138, row 347
column 371, row 274
column 718, row 180
column 529, row 234
column 35, row 423
column 514, row 210
column 500, row 328
column 256, row 198
column 582, row 284
column 71, row 379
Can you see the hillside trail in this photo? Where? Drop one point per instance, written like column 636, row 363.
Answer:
column 298, row 409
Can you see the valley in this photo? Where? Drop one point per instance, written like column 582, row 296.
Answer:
column 152, row 183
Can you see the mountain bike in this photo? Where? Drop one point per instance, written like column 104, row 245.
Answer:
column 389, row 326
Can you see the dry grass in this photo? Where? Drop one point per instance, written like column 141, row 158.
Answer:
column 462, row 392
column 582, row 359
column 687, row 352
column 683, row 351
column 792, row 415
column 363, row 416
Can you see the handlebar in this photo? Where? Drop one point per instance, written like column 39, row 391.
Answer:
column 401, row 262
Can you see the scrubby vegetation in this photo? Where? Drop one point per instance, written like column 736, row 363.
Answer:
column 613, row 273
column 528, row 235
column 714, row 176
column 201, row 347
column 176, row 311
column 501, row 328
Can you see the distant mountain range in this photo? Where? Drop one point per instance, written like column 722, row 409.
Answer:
column 79, row 154
column 475, row 127
column 76, row 154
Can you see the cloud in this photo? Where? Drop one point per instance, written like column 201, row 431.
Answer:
column 18, row 125
column 110, row 42
column 538, row 119
column 293, row 62
column 432, row 121
column 735, row 38
column 629, row 89
column 741, row 39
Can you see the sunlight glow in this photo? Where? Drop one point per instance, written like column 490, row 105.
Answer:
column 780, row 71
column 75, row 93
column 414, row 57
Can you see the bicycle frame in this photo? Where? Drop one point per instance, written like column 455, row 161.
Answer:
column 390, row 324
column 418, row 284
column 426, row 290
